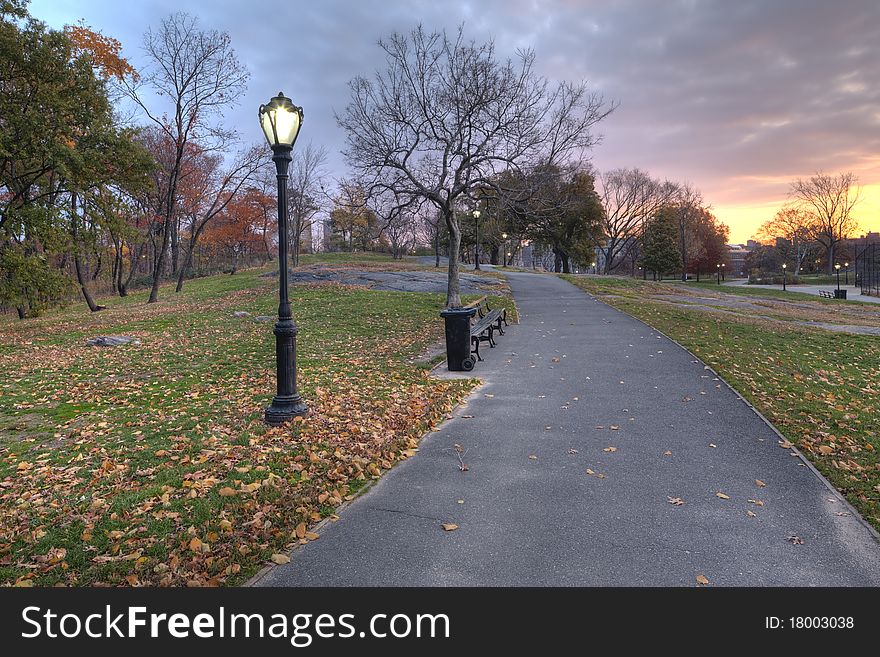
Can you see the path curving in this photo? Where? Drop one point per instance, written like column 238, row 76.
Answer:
column 530, row 514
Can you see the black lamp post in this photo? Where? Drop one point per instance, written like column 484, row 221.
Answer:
column 281, row 121
column 722, row 271
column 504, row 248
column 846, row 264
column 784, row 267
column 718, row 275
column 837, row 267
column 476, row 214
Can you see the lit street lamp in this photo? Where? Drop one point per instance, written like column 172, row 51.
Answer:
column 504, row 247
column 593, row 265
column 846, row 264
column 784, row 267
column 837, row 267
column 718, row 275
column 281, row 121
column 476, row 214
column 722, row 270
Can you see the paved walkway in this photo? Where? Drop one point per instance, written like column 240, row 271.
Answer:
column 853, row 293
column 574, row 379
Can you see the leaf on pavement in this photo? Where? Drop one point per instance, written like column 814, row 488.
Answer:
column 449, row 527
column 722, row 496
column 280, row 558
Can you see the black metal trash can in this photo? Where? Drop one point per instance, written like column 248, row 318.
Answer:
column 840, row 294
column 458, row 338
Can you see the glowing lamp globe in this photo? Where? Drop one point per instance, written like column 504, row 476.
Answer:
column 281, row 121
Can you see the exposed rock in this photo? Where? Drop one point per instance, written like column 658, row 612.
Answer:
column 112, row 341
column 241, row 313
column 398, row 281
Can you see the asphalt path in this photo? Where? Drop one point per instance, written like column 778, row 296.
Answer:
column 598, row 452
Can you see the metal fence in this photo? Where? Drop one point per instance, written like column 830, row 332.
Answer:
column 868, row 269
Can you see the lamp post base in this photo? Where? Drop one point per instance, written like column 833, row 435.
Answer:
column 285, row 408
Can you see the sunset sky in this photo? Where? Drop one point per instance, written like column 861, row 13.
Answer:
column 738, row 98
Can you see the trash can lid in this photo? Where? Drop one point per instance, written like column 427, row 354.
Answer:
column 458, row 312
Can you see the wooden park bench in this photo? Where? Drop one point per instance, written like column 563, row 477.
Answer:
column 485, row 324
column 827, row 294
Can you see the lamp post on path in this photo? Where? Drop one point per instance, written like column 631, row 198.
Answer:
column 846, row 273
column 718, row 274
column 784, row 267
column 837, row 267
column 281, row 121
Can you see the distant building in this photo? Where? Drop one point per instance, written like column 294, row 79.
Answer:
column 736, row 255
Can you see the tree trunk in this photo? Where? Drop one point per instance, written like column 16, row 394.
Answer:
column 83, row 284
column 22, row 314
column 175, row 246
column 453, row 285
column 77, row 264
column 830, row 253
column 160, row 263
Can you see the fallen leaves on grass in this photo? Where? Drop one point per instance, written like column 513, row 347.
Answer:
column 153, row 467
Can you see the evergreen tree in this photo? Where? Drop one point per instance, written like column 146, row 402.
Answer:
column 660, row 252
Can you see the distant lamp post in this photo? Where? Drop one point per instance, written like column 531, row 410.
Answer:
column 718, row 273
column 281, row 121
column 476, row 214
column 722, row 271
column 593, row 265
column 784, row 267
column 837, row 267
column 504, row 247
column 846, row 264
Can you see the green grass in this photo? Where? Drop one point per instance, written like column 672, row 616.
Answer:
column 819, row 388
column 115, row 461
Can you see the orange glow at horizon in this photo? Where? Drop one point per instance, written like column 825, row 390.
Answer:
column 745, row 219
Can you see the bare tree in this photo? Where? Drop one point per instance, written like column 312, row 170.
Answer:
column 688, row 203
column 445, row 116
column 397, row 217
column 630, row 197
column 305, row 189
column 829, row 200
column 199, row 75
column 795, row 225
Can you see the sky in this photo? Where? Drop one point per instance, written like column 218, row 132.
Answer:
column 738, row 98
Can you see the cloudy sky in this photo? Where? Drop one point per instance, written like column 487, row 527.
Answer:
column 737, row 97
